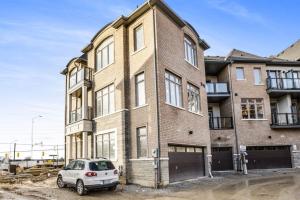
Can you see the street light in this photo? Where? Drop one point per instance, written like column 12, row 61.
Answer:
column 14, row 141
column 32, row 124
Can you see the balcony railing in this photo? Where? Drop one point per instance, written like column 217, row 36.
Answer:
column 283, row 83
column 79, row 76
column 217, row 88
column 218, row 123
column 285, row 119
column 75, row 115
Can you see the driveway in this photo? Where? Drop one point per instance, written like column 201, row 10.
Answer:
column 265, row 185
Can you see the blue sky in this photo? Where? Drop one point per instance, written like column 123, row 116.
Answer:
column 38, row 37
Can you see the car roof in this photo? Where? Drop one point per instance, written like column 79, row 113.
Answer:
column 92, row 160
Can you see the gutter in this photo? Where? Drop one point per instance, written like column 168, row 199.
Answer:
column 158, row 174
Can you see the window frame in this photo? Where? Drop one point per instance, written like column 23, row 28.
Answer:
column 177, row 82
column 260, row 76
column 248, row 104
column 99, row 50
column 236, row 73
column 196, row 90
column 137, row 93
column 102, row 133
column 190, row 45
column 108, row 100
column 138, row 147
column 135, row 47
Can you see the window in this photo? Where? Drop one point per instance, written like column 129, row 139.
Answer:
column 105, row 53
column 105, row 101
column 190, row 51
column 101, row 165
column 173, row 89
column 193, row 98
column 142, row 146
column 252, row 108
column 79, row 165
column 257, row 76
column 106, row 145
column 140, row 89
column 73, row 77
column 240, row 73
column 138, row 38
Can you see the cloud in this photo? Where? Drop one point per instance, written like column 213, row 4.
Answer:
column 235, row 9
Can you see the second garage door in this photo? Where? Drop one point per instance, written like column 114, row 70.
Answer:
column 268, row 157
column 185, row 163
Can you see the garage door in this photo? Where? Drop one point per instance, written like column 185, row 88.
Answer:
column 269, row 157
column 185, row 163
column 222, row 159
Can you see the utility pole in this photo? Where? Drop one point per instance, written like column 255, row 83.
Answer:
column 32, row 125
column 15, row 146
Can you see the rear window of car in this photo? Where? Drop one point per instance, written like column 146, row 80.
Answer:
column 101, row 166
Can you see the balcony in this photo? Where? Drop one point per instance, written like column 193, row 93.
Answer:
column 220, row 123
column 285, row 120
column 277, row 87
column 77, row 123
column 83, row 76
column 217, row 92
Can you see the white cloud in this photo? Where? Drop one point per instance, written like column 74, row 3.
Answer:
column 233, row 8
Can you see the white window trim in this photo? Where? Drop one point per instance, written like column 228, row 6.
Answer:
column 199, row 103
column 136, row 88
column 240, row 79
column 134, row 38
column 181, row 89
column 136, row 131
column 98, row 49
column 116, row 140
column 261, row 78
column 114, row 96
column 186, row 39
column 256, row 113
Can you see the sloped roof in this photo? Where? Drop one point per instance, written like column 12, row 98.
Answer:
column 235, row 53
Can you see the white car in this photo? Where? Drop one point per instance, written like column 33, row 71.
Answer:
column 87, row 175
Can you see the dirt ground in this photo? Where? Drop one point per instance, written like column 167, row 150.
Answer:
column 258, row 185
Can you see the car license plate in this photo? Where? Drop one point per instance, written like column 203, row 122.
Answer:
column 106, row 181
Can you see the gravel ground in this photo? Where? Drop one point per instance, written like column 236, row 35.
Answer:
column 258, row 185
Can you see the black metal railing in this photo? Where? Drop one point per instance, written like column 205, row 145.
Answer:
column 75, row 115
column 220, row 123
column 286, row 119
column 217, row 88
column 79, row 76
column 283, row 83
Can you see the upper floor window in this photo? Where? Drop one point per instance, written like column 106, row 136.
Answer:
column 140, row 89
column 190, row 51
column 193, row 98
column 105, row 53
column 142, row 146
column 257, row 76
column 240, row 75
column 73, row 77
column 252, row 108
column 173, row 89
column 105, row 100
column 138, row 37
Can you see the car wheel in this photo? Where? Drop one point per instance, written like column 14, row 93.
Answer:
column 113, row 188
column 80, row 188
column 60, row 183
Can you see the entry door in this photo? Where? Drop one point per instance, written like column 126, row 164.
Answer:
column 295, row 112
column 222, row 159
column 296, row 79
column 211, row 117
column 273, row 76
column 288, row 81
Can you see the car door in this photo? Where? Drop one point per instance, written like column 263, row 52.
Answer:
column 67, row 172
column 77, row 171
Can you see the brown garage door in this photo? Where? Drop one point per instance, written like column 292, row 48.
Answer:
column 222, row 159
column 186, row 163
column 269, row 157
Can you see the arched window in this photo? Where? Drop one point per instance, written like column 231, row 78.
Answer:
column 190, row 51
column 105, row 53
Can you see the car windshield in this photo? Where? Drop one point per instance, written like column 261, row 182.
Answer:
column 101, row 166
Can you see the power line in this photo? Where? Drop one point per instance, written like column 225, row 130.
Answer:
column 36, row 150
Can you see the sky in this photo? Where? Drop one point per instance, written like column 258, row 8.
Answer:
column 39, row 37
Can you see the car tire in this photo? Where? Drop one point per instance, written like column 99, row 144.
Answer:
column 80, row 189
column 60, row 183
column 112, row 188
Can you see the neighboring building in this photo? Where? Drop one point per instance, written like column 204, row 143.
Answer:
column 137, row 97
column 291, row 53
column 253, row 101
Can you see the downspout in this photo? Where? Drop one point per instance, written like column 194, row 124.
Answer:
column 65, row 137
column 158, row 173
column 234, row 121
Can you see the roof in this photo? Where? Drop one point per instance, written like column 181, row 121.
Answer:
column 236, row 55
column 292, row 52
column 126, row 20
column 82, row 58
